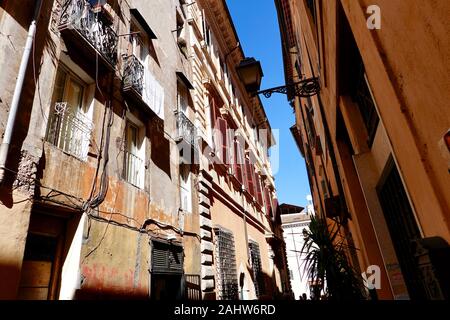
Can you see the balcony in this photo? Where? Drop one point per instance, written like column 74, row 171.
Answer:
column 186, row 131
column 69, row 131
column 141, row 87
column 81, row 25
column 133, row 78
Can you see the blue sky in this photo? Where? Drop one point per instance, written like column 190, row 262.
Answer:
column 257, row 26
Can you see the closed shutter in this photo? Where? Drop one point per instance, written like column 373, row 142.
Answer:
column 250, row 177
column 221, row 140
column 258, row 189
column 230, row 150
column 238, row 161
column 268, row 202
column 166, row 258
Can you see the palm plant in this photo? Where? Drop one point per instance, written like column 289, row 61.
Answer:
column 326, row 262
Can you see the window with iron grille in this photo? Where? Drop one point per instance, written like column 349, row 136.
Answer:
column 133, row 169
column 70, row 125
column 225, row 257
column 402, row 227
column 255, row 258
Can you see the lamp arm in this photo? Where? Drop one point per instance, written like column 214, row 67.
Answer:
column 304, row 88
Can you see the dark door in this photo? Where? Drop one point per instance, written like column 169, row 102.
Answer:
column 402, row 227
column 41, row 268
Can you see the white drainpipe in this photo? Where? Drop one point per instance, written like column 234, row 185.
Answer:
column 4, row 148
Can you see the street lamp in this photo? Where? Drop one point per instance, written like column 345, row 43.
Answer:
column 250, row 73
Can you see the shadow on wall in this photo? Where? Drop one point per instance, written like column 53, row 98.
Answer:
column 10, row 277
column 160, row 146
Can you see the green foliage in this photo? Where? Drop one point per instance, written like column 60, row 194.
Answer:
column 326, row 262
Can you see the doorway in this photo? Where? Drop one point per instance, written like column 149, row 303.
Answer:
column 402, row 226
column 42, row 263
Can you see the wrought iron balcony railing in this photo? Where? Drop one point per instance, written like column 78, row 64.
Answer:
column 185, row 129
column 69, row 131
column 133, row 169
column 133, row 74
column 79, row 15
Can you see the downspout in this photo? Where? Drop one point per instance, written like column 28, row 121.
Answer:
column 4, row 148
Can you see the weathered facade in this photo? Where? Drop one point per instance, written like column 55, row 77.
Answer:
column 99, row 196
column 238, row 207
column 375, row 139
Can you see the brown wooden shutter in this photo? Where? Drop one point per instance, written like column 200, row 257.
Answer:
column 258, row 189
column 250, row 177
column 268, row 202
column 221, row 140
column 238, row 160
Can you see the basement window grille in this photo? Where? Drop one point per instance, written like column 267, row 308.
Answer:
column 227, row 282
column 255, row 258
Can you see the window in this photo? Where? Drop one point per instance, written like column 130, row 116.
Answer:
column 238, row 160
column 185, row 188
column 268, row 201
column 362, row 95
column 258, row 189
column 225, row 257
column 255, row 258
column 134, row 155
column 167, row 271
column 250, row 175
column 402, row 227
column 206, row 31
column 219, row 125
column 69, row 122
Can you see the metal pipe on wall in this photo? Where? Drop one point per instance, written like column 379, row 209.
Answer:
column 4, row 148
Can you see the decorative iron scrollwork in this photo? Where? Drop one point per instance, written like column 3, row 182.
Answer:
column 304, row 88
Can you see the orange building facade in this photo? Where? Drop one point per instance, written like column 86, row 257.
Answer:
column 375, row 139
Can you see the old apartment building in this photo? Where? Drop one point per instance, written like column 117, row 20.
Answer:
column 133, row 164
column 376, row 137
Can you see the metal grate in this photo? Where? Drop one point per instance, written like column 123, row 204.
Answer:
column 255, row 258
column 227, row 282
column 402, row 228
column 69, row 131
column 192, row 287
column 186, row 130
